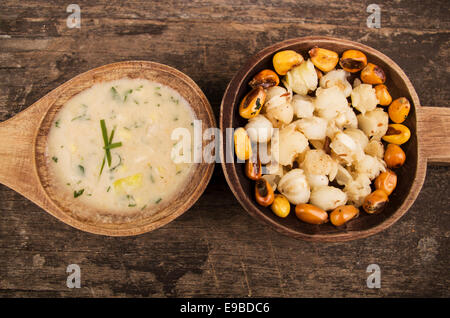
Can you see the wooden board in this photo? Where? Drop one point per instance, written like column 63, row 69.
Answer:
column 216, row 248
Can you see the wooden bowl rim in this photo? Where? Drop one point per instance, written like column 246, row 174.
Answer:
column 108, row 229
column 246, row 201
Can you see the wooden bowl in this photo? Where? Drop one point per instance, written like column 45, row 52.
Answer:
column 23, row 141
column 429, row 142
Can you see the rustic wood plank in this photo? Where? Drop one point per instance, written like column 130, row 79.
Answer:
column 216, row 249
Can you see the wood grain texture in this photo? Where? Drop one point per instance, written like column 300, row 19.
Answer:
column 216, row 248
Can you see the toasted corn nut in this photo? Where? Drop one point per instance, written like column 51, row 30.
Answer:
column 399, row 109
column 353, row 61
column 263, row 192
column 343, row 214
column 397, row 134
column 325, row 60
column 281, row 206
column 373, row 74
column 394, row 156
column 311, row 214
column 242, row 144
column 252, row 103
column 386, row 181
column 383, row 96
column 253, row 169
column 283, row 61
column 319, row 74
column 375, row 202
column 265, row 79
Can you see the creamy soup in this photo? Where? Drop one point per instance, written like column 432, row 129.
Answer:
column 110, row 146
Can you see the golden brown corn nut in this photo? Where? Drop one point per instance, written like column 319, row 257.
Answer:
column 399, row 109
column 283, row 61
column 242, row 144
column 253, row 169
column 343, row 214
column 397, row 134
column 265, row 79
column 353, row 61
column 373, row 74
column 383, row 96
column 375, row 202
column 311, row 214
column 263, row 192
column 394, row 156
column 386, row 181
column 325, row 60
column 281, row 206
column 252, row 103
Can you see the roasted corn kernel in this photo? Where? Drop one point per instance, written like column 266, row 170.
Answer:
column 375, row 202
column 353, row 61
column 325, row 60
column 386, row 181
column 265, row 79
column 242, row 144
column 383, row 96
column 311, row 214
column 394, row 156
column 263, row 192
column 281, row 206
column 343, row 214
column 252, row 103
column 373, row 74
column 253, row 169
column 397, row 134
column 283, row 61
column 399, row 109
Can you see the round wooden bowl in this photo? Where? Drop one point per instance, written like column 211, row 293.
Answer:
column 430, row 141
column 24, row 137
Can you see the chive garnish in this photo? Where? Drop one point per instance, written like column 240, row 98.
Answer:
column 108, row 145
column 55, row 159
column 57, row 123
column 114, row 145
column 157, row 201
column 81, row 169
column 76, row 194
column 126, row 95
column 114, row 92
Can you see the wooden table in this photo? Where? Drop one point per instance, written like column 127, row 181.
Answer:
column 216, row 249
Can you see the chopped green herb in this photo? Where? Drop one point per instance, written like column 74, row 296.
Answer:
column 109, row 188
column 158, row 87
column 76, row 194
column 157, row 201
column 81, row 169
column 136, row 102
column 68, row 183
column 178, row 172
column 55, row 159
column 152, row 179
column 143, row 207
column 128, row 92
column 158, row 105
column 119, row 164
column 139, row 88
column 192, row 124
column 159, row 94
column 114, row 145
column 57, row 123
column 114, row 93
column 175, row 119
column 131, row 201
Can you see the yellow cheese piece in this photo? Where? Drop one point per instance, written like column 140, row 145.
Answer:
column 128, row 183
